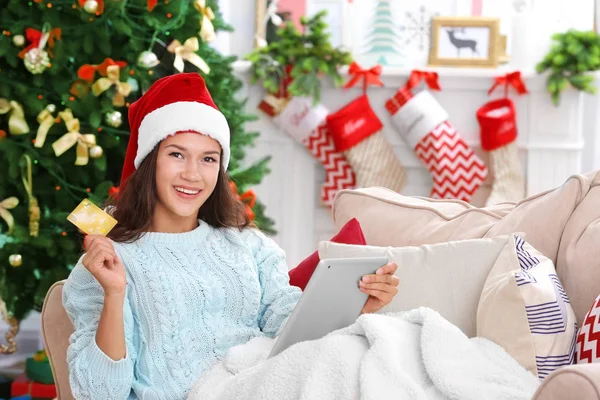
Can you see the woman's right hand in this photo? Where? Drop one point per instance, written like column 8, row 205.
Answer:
column 102, row 262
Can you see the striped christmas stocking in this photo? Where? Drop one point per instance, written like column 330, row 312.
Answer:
column 456, row 170
column 305, row 123
column 356, row 132
column 499, row 136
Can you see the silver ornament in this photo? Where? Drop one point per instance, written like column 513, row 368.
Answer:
column 51, row 108
column 18, row 40
column 36, row 60
column 96, row 152
column 15, row 260
column 114, row 119
column 147, row 60
column 91, row 6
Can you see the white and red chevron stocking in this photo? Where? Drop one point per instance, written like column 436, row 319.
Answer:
column 588, row 337
column 305, row 123
column 456, row 170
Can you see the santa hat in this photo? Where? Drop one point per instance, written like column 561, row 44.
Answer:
column 173, row 104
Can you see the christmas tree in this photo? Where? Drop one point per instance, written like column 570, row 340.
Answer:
column 381, row 45
column 69, row 69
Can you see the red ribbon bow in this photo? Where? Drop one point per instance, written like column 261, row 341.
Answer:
column 430, row 78
column 511, row 79
column 369, row 76
column 152, row 4
column 100, row 9
column 87, row 71
column 34, row 37
column 248, row 198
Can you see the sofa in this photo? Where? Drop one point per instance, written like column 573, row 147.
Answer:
column 563, row 224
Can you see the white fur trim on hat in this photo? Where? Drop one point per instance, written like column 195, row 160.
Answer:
column 419, row 116
column 182, row 116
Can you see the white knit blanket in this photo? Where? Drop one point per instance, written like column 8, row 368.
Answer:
column 410, row 355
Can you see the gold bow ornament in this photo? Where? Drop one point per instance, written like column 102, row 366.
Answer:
column 46, row 120
column 276, row 104
column 207, row 30
column 72, row 137
column 17, row 125
column 113, row 73
column 11, row 346
column 5, row 205
column 187, row 52
column 34, row 209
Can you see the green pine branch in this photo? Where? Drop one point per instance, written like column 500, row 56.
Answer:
column 572, row 56
column 309, row 53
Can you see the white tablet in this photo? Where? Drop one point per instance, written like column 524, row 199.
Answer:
column 331, row 300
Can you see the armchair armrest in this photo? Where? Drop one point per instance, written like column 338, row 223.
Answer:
column 580, row 381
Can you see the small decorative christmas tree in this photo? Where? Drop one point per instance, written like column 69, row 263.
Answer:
column 382, row 40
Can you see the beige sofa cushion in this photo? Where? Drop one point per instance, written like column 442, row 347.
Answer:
column 572, row 382
column 390, row 219
column 447, row 277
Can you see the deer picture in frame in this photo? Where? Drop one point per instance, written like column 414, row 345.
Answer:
column 465, row 41
column 461, row 43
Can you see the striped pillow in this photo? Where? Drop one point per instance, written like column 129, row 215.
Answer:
column 524, row 308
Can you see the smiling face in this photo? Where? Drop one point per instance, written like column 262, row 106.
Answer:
column 187, row 168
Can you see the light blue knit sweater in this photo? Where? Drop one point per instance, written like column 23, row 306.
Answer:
column 190, row 297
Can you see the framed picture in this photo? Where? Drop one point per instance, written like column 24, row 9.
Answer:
column 465, row 41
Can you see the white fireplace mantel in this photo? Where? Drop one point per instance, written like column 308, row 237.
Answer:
column 551, row 142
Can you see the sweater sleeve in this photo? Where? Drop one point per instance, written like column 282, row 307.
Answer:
column 278, row 297
column 92, row 374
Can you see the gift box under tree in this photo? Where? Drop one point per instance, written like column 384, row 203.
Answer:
column 37, row 381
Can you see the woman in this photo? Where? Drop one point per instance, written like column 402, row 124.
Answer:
column 184, row 275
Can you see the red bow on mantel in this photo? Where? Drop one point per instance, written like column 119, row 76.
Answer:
column 511, row 79
column 430, row 78
column 369, row 76
column 34, row 37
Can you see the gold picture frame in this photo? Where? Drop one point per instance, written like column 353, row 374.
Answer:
column 480, row 49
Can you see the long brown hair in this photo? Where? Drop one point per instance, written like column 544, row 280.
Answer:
column 134, row 206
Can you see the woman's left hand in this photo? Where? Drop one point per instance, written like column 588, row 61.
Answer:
column 381, row 288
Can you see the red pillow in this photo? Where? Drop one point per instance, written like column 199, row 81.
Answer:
column 351, row 233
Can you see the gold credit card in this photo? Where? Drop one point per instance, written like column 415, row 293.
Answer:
column 91, row 219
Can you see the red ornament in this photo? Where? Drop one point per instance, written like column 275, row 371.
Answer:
column 248, row 198
column 2, row 134
column 113, row 191
column 34, row 37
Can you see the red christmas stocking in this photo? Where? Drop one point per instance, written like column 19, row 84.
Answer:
column 456, row 170
column 499, row 137
column 355, row 131
column 305, row 123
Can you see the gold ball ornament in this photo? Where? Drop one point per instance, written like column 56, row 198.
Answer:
column 147, row 60
column 15, row 260
column 114, row 119
column 96, row 152
column 90, row 6
column 18, row 40
column 36, row 61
